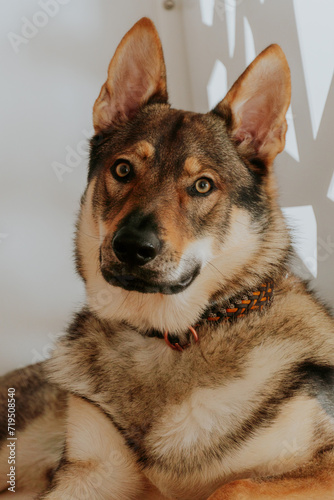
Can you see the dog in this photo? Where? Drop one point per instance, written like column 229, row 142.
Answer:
column 200, row 366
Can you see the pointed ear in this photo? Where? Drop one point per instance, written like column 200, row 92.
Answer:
column 136, row 76
column 256, row 106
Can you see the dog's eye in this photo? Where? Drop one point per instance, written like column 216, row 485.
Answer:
column 202, row 187
column 122, row 170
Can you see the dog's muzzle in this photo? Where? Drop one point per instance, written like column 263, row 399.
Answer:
column 136, row 243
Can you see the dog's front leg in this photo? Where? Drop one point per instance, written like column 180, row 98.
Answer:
column 96, row 464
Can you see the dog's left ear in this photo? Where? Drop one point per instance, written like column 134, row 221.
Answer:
column 255, row 107
column 136, row 76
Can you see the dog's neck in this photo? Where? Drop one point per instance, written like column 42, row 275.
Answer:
column 220, row 310
column 175, row 313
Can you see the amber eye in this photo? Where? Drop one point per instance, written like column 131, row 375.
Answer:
column 122, row 170
column 203, row 186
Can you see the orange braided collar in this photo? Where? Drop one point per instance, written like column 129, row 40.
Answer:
column 236, row 308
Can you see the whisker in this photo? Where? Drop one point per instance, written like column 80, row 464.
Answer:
column 125, row 298
column 216, row 269
column 89, row 235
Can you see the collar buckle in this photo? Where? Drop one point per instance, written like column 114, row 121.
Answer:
column 175, row 345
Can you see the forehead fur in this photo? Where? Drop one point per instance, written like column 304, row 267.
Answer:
column 171, row 140
column 171, row 136
column 192, row 166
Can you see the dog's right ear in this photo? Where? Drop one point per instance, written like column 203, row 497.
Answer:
column 136, row 76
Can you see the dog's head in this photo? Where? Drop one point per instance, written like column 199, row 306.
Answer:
column 180, row 205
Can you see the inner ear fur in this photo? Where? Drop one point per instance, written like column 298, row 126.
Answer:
column 136, row 76
column 255, row 107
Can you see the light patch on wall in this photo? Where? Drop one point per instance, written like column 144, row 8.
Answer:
column 262, row 1
column 303, row 226
column 207, row 10
column 230, row 15
column 217, row 86
column 330, row 192
column 291, row 146
column 314, row 21
column 250, row 53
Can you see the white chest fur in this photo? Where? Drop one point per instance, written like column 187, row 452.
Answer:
column 187, row 417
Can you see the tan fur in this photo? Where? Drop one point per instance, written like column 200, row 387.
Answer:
column 192, row 167
column 144, row 149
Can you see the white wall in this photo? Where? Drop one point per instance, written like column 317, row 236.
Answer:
column 48, row 88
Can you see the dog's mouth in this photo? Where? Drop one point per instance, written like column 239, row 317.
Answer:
column 131, row 282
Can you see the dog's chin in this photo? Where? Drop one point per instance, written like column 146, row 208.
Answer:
column 133, row 283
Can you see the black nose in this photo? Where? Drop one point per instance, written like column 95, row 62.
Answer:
column 135, row 247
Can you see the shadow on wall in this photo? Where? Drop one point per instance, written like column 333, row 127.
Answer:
column 223, row 37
